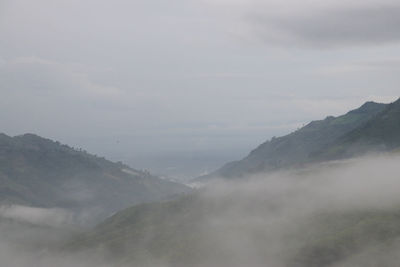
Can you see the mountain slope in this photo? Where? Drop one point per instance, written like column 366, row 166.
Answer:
column 321, row 217
column 172, row 234
column 295, row 148
column 381, row 133
column 39, row 172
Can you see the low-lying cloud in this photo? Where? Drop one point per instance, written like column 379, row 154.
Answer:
column 302, row 217
column 270, row 219
column 38, row 216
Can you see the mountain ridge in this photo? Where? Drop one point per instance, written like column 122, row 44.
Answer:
column 380, row 133
column 298, row 147
column 36, row 171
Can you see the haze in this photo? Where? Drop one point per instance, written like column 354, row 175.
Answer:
column 261, row 221
column 181, row 87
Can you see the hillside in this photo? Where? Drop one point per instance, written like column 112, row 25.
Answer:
column 39, row 172
column 381, row 133
column 294, row 149
column 176, row 234
column 297, row 219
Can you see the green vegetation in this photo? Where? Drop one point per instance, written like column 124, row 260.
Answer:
column 179, row 233
column 39, row 172
column 292, row 222
column 330, row 238
column 299, row 147
column 150, row 233
column 380, row 133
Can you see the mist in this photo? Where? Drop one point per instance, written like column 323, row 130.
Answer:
column 272, row 219
column 147, row 96
column 37, row 216
column 32, row 236
column 286, row 218
column 186, row 78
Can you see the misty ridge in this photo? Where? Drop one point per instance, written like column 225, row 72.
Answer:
column 38, row 172
column 324, row 195
column 205, row 133
column 343, row 213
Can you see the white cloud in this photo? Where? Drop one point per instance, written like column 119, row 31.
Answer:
column 38, row 216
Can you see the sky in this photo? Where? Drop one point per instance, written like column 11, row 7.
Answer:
column 182, row 86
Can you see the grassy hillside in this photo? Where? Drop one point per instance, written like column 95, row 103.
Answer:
column 344, row 213
column 39, row 172
column 150, row 233
column 381, row 133
column 182, row 233
column 295, row 149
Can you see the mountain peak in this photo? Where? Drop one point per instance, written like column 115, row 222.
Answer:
column 369, row 103
column 369, row 106
column 32, row 137
column 299, row 147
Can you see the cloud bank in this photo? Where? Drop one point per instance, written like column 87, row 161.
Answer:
column 320, row 24
column 341, row 213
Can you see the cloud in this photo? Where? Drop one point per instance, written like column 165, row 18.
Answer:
column 271, row 209
column 37, row 216
column 340, row 27
column 320, row 24
column 75, row 70
column 269, row 220
column 265, row 220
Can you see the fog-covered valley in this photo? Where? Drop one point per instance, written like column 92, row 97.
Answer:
column 324, row 195
column 199, row 133
column 343, row 213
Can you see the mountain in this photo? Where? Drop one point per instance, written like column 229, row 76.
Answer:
column 147, row 233
column 238, row 230
column 381, row 133
column 39, row 172
column 295, row 149
column 327, row 214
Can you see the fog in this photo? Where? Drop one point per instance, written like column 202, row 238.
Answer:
column 37, row 216
column 31, row 236
column 265, row 220
column 179, row 88
column 185, row 78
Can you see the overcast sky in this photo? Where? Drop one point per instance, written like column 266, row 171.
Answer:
column 134, row 79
